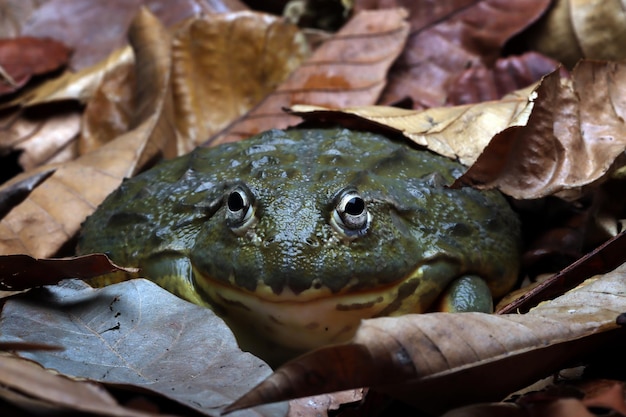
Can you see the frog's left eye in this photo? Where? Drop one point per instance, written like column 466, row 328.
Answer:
column 350, row 216
column 240, row 209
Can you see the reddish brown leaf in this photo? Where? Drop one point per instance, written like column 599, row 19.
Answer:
column 573, row 135
column 478, row 84
column 21, row 58
column 348, row 69
column 447, row 39
column 20, row 272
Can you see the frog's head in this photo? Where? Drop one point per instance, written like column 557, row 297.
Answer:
column 320, row 238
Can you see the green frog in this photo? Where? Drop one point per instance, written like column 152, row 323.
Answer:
column 294, row 236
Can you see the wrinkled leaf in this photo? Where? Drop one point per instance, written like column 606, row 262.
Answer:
column 19, row 272
column 573, row 136
column 225, row 64
column 348, row 69
column 53, row 18
column 447, row 39
column 577, row 29
column 53, row 212
column 30, row 380
column 136, row 333
column 463, row 357
column 459, row 132
column 22, row 58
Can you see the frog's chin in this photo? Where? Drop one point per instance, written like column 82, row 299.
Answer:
column 308, row 322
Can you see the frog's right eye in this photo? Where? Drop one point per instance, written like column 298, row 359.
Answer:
column 240, row 209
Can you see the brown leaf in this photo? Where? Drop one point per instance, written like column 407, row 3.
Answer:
column 90, row 39
column 348, row 69
column 478, row 84
column 21, row 58
column 573, row 30
column 29, row 379
column 447, row 39
column 137, row 334
column 573, row 135
column 53, row 212
column 459, row 132
column 463, row 357
column 224, row 65
column 20, row 272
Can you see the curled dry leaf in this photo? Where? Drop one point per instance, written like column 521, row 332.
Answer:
column 65, row 395
column 224, row 65
column 137, row 334
column 573, row 136
column 573, row 30
column 14, row 193
column 20, row 272
column 462, row 357
column 53, row 212
column 21, row 58
column 348, row 69
column 446, row 39
column 459, row 132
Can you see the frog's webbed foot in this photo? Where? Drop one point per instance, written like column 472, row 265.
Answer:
column 466, row 293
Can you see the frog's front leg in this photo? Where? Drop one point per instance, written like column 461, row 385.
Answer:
column 466, row 293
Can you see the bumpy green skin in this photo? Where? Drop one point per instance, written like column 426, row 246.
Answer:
column 170, row 221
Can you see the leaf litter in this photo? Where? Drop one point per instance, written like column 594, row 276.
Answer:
column 135, row 333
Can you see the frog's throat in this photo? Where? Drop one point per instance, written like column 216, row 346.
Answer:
column 309, row 320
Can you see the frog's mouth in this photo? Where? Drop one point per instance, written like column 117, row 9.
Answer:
column 317, row 316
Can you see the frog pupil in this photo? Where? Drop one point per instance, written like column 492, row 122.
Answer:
column 235, row 201
column 355, row 206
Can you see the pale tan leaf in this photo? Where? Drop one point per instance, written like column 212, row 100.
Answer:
column 574, row 134
column 224, row 65
column 54, row 211
column 40, row 137
column 348, row 69
column 462, row 357
column 577, row 29
column 459, row 132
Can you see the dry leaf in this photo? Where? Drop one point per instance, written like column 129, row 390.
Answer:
column 478, row 84
column 63, row 394
column 224, row 65
column 447, row 39
column 53, row 212
column 22, row 58
column 136, row 333
column 348, row 69
column 53, row 18
column 13, row 14
column 577, row 29
column 459, row 132
column 574, row 133
column 463, row 357
column 20, row 272
column 14, row 193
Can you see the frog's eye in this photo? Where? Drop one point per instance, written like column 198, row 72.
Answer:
column 350, row 216
column 240, row 209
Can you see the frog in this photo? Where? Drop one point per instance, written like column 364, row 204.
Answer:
column 294, row 236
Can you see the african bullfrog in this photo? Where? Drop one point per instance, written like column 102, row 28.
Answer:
column 295, row 236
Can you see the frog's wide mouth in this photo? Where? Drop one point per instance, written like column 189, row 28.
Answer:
column 308, row 320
